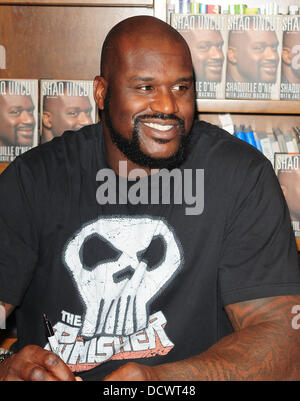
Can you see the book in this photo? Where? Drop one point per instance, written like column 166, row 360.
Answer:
column 18, row 117
column 253, row 57
column 290, row 58
column 65, row 105
column 291, row 142
column 206, row 36
column 281, row 139
column 266, row 145
column 296, row 133
column 287, row 169
column 274, row 143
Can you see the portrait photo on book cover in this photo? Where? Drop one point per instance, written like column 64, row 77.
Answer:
column 290, row 59
column 206, row 36
column 253, row 57
column 65, row 105
column 287, row 168
column 18, row 117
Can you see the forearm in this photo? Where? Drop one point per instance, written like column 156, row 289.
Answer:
column 260, row 352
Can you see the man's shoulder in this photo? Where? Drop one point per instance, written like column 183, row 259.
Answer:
column 71, row 147
column 214, row 144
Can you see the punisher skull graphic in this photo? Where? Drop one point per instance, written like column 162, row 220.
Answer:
column 141, row 257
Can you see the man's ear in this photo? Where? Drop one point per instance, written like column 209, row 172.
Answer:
column 286, row 55
column 231, row 54
column 46, row 119
column 100, row 91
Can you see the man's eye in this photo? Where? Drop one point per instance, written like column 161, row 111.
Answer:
column 258, row 48
column 180, row 88
column 15, row 112
column 145, row 88
column 203, row 48
column 72, row 113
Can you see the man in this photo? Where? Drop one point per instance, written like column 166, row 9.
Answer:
column 290, row 70
column 207, row 53
column 148, row 284
column 252, row 55
column 62, row 113
column 16, row 120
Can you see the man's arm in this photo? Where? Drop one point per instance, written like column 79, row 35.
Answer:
column 264, row 346
column 33, row 363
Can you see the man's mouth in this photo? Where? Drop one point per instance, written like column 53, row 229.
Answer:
column 159, row 127
column 269, row 68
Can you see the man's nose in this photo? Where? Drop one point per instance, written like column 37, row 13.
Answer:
column 216, row 53
column 271, row 53
column 164, row 102
column 26, row 117
column 84, row 118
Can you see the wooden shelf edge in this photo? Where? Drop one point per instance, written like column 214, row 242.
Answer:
column 3, row 166
column 106, row 3
column 248, row 106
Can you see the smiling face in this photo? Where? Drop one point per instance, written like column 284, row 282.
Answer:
column 256, row 56
column 207, row 53
column 149, row 106
column 16, row 120
column 64, row 113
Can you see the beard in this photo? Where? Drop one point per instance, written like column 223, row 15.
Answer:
column 131, row 147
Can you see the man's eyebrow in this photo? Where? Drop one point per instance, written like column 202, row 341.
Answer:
column 186, row 79
column 140, row 78
column 149, row 79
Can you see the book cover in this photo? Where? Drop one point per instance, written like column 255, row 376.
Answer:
column 206, row 36
column 290, row 58
column 253, row 57
column 65, row 105
column 18, row 117
column 287, row 169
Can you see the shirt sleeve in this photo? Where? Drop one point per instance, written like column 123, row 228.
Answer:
column 260, row 257
column 18, row 234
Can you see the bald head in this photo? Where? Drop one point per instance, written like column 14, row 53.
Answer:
column 135, row 32
column 145, row 93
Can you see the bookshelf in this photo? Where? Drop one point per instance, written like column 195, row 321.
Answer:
column 248, row 106
column 38, row 29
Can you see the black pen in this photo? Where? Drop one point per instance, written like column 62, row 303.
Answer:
column 54, row 345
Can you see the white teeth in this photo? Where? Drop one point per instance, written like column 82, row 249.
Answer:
column 159, row 126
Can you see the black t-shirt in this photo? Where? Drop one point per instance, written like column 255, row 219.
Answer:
column 146, row 282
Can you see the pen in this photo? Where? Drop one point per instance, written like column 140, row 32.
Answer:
column 51, row 336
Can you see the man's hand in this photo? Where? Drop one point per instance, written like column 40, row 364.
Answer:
column 33, row 363
column 133, row 372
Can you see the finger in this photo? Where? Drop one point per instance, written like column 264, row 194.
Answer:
column 57, row 367
column 35, row 363
column 34, row 372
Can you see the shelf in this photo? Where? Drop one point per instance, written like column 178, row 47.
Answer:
column 3, row 166
column 106, row 3
column 248, row 106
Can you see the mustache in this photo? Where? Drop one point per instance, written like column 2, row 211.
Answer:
column 159, row 116
column 20, row 127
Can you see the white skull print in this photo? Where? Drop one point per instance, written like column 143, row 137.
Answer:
column 117, row 292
